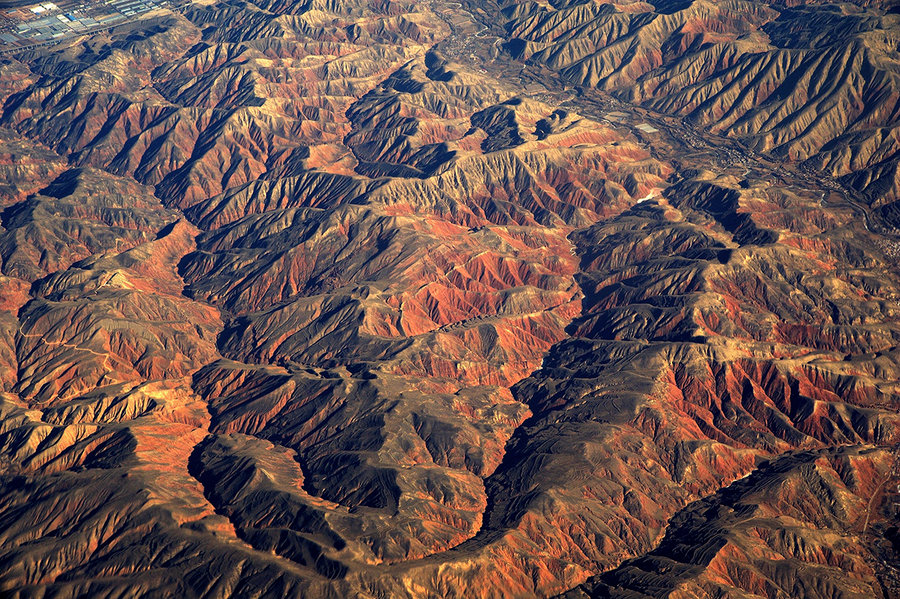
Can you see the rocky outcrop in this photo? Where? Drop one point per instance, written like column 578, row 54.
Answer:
column 343, row 299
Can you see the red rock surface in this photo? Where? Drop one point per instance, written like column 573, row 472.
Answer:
column 342, row 299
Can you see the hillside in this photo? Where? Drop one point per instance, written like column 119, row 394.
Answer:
column 404, row 299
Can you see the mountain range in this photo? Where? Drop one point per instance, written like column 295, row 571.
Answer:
column 435, row 299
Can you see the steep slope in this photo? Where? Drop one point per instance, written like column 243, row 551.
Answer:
column 344, row 299
column 772, row 534
column 674, row 385
column 810, row 84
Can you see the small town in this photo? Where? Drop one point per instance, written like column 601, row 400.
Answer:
column 49, row 22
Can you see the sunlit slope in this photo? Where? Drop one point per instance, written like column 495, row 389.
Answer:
column 813, row 84
column 300, row 299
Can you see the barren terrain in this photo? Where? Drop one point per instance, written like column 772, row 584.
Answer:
column 453, row 299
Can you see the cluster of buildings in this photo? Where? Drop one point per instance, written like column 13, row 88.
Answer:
column 49, row 21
